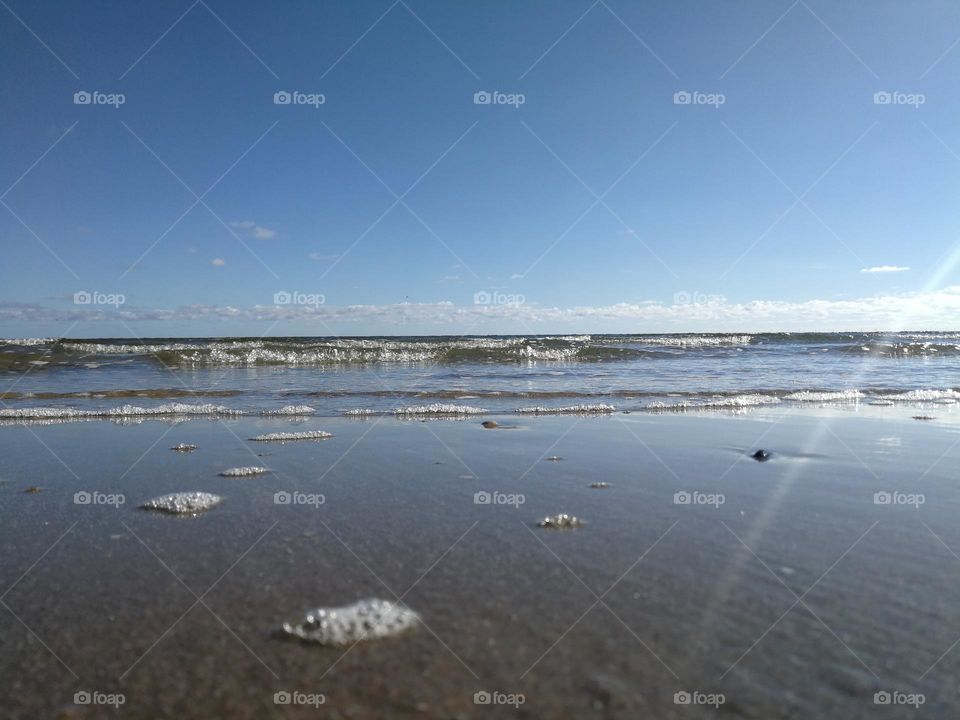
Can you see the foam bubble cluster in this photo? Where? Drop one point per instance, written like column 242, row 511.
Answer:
column 561, row 522
column 244, row 471
column 292, row 410
column 183, row 503
column 366, row 619
column 287, row 436
column 440, row 409
column 568, row 410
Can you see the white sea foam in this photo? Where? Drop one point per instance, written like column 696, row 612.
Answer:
column 440, row 409
column 360, row 412
column 285, row 436
column 934, row 396
column 183, row 503
column 828, row 396
column 248, row 471
column 367, row 619
column 168, row 409
column 697, row 340
column 568, row 410
column 292, row 410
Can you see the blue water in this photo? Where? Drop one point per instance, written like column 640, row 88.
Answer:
column 333, row 376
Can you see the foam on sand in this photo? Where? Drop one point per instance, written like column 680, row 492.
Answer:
column 287, row 436
column 366, row 619
column 183, row 503
column 568, row 410
column 244, row 471
column 292, row 410
column 67, row 413
column 827, row 396
column 439, row 409
column 561, row 522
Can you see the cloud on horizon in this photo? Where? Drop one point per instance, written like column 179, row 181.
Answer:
column 938, row 309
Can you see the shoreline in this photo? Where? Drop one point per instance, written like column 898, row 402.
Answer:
column 400, row 515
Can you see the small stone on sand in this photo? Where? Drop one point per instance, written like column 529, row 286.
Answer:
column 490, row 424
column 761, row 456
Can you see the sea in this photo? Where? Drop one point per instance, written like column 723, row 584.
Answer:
column 73, row 379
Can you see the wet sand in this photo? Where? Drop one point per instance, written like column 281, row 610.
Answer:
column 611, row 620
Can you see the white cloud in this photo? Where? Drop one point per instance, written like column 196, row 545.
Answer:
column 938, row 309
column 516, row 276
column 258, row 232
column 218, row 262
column 885, row 269
column 321, row 256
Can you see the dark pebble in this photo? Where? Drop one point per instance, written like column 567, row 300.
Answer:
column 490, row 424
column 761, row 456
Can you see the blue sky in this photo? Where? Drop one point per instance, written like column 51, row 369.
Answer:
column 757, row 206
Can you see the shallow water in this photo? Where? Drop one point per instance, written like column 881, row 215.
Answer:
column 390, row 508
column 336, row 376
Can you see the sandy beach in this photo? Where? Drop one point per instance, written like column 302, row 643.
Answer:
column 770, row 589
